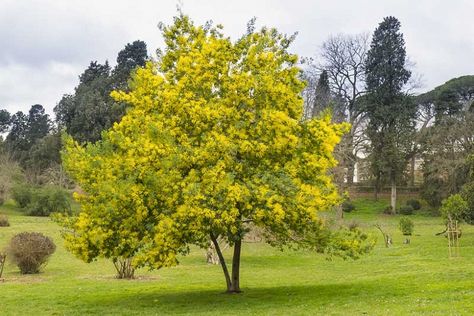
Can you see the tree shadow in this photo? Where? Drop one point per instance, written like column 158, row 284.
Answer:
column 278, row 299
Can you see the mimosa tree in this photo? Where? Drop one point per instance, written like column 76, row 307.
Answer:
column 213, row 144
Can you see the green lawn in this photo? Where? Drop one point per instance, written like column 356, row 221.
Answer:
column 402, row 280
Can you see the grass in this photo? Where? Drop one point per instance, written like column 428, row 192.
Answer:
column 413, row 279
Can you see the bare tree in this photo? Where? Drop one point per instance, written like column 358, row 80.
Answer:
column 343, row 58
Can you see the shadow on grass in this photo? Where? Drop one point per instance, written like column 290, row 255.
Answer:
column 264, row 299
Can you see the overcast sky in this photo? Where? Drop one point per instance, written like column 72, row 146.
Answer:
column 46, row 44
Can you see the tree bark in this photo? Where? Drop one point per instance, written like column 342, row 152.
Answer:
column 235, row 284
column 376, row 187
column 350, row 172
column 412, row 171
column 222, row 261
column 393, row 196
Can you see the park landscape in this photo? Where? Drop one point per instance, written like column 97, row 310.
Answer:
column 228, row 175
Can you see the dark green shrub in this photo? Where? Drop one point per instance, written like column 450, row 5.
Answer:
column 414, row 203
column 4, row 221
column 49, row 200
column 347, row 206
column 406, row 210
column 406, row 226
column 22, row 194
column 30, row 251
column 388, row 210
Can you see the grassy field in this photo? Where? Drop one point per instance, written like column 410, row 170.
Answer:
column 413, row 279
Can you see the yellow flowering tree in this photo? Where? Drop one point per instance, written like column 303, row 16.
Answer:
column 212, row 144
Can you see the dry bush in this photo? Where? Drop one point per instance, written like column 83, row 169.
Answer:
column 4, row 221
column 30, row 251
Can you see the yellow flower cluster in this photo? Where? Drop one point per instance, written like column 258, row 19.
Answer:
column 213, row 139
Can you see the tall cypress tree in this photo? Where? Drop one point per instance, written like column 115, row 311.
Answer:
column 391, row 113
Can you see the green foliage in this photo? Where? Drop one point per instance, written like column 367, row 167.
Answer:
column 16, row 141
column 42, row 201
column 26, row 130
column 349, row 243
column 385, row 69
column 5, row 118
column 22, row 194
column 10, row 173
column 406, row 226
column 448, row 142
column 42, row 156
column 47, row 200
column 91, row 110
column 454, row 208
column 467, row 191
column 406, row 210
column 390, row 112
column 416, row 204
column 30, row 251
column 348, row 206
column 388, row 210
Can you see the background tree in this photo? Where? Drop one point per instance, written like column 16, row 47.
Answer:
column 25, row 132
column 86, row 114
column 342, row 58
column 5, row 118
column 391, row 114
column 322, row 99
column 214, row 141
column 449, row 140
column 16, row 141
column 90, row 110
column 10, row 173
column 39, row 124
column 134, row 55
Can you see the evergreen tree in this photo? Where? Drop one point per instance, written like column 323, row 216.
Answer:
column 132, row 56
column 17, row 139
column 26, row 131
column 5, row 118
column 38, row 124
column 90, row 110
column 87, row 113
column 391, row 113
column 323, row 94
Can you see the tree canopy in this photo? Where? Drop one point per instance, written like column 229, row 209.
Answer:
column 213, row 144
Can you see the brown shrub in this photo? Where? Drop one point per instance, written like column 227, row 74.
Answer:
column 4, row 221
column 30, row 251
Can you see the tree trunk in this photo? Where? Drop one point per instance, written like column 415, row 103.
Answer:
column 393, row 197
column 376, row 187
column 412, row 171
column 222, row 261
column 350, row 172
column 235, row 284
